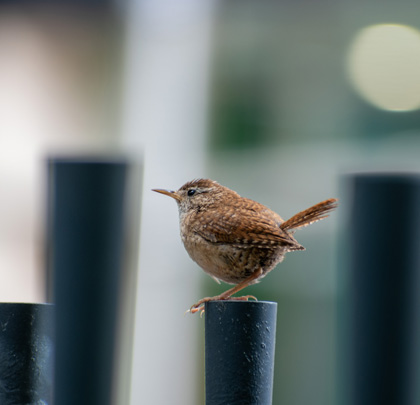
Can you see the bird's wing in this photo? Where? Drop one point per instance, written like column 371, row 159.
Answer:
column 244, row 227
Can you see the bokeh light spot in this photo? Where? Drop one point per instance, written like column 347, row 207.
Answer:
column 384, row 66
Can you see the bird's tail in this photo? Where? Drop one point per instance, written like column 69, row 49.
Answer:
column 315, row 213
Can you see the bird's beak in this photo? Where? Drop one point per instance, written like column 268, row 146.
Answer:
column 170, row 193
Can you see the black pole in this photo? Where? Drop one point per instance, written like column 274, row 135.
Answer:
column 239, row 352
column 26, row 353
column 86, row 230
column 385, row 289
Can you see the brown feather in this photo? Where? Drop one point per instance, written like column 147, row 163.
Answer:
column 243, row 223
column 310, row 215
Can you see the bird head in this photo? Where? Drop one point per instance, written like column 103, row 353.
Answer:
column 196, row 194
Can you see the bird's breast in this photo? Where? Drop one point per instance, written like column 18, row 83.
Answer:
column 229, row 263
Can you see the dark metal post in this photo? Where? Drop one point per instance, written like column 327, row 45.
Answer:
column 86, row 230
column 385, row 289
column 26, row 353
column 239, row 352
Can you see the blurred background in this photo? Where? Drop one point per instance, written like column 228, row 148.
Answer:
column 274, row 99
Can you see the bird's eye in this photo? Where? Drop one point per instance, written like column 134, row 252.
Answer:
column 191, row 192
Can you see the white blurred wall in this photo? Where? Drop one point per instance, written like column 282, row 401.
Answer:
column 55, row 87
column 168, row 61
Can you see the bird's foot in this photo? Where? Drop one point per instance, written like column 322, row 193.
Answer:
column 199, row 306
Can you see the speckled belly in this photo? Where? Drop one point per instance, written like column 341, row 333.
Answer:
column 231, row 264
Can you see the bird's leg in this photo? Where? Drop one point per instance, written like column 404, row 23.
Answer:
column 198, row 306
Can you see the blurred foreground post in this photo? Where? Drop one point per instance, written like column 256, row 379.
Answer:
column 385, row 289
column 87, row 201
column 239, row 352
column 26, row 353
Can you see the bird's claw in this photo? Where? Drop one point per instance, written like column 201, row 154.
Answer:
column 195, row 309
column 243, row 298
column 199, row 306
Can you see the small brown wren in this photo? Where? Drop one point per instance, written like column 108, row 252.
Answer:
column 235, row 239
